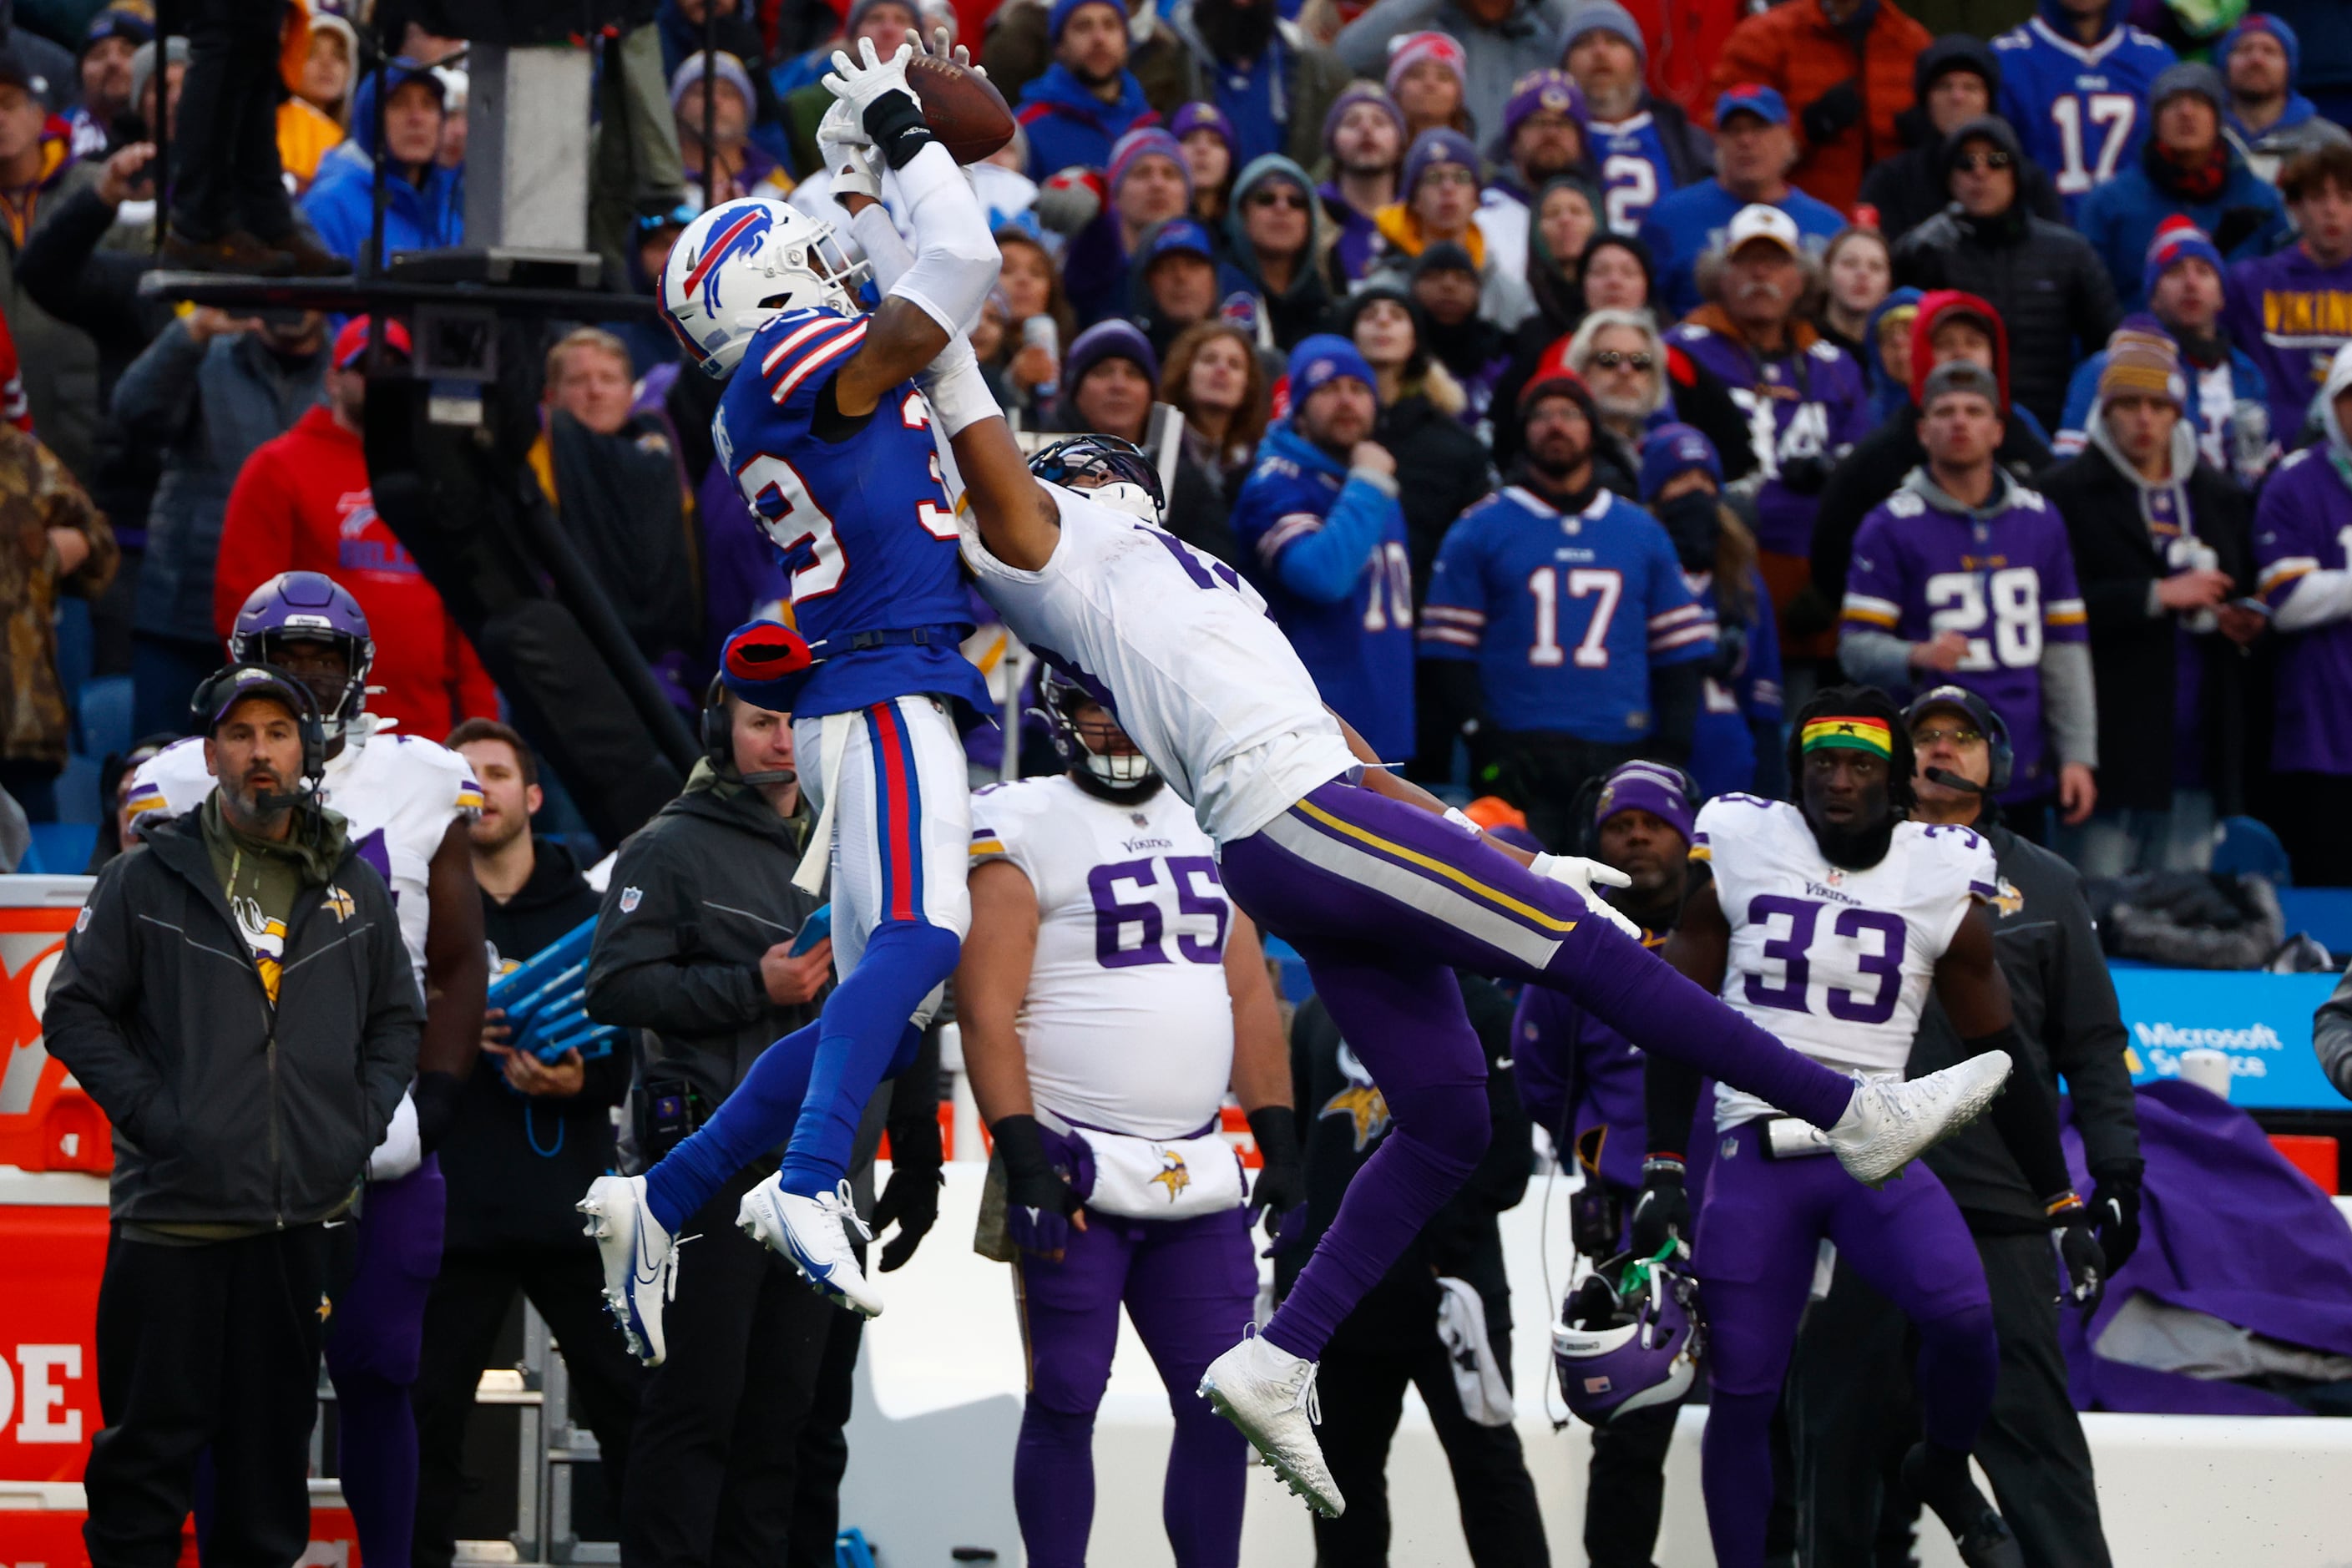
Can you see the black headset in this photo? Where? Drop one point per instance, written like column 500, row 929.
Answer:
column 2000, row 754
column 221, row 687
column 717, row 725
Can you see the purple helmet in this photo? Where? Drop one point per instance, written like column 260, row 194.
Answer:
column 309, row 606
column 1631, row 1345
column 1061, row 697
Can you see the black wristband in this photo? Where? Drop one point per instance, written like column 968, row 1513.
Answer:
column 436, row 1094
column 1276, row 1129
column 1022, row 1146
column 895, row 121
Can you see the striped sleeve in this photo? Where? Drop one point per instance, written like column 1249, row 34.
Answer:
column 1453, row 618
column 2066, row 619
column 1683, row 626
column 1286, row 531
column 2279, row 578
column 805, row 352
column 1452, row 626
column 1881, row 615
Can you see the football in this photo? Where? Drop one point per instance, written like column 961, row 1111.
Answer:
column 962, row 107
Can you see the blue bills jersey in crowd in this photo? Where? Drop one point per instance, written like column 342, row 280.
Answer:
column 1564, row 614
column 2081, row 111
column 1634, row 173
column 1354, row 630
column 859, row 509
column 1692, row 221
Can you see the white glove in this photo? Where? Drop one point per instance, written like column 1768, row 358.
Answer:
column 1580, row 874
column 859, row 83
column 401, row 1152
column 938, row 47
column 848, row 153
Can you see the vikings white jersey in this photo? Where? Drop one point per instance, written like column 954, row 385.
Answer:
column 1177, row 646
column 396, row 794
column 1127, row 1025
column 1834, row 962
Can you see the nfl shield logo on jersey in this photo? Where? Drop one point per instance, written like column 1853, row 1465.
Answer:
column 630, row 899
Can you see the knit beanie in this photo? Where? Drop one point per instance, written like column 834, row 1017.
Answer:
column 1434, row 146
column 1672, row 450
column 1321, row 359
column 1059, row 16
column 1960, row 375
column 1538, row 90
column 1143, row 143
column 2190, row 76
column 723, row 66
column 1414, row 48
column 2263, row 22
column 1353, row 94
column 2144, row 365
column 1192, row 116
column 2177, row 239
column 1604, row 16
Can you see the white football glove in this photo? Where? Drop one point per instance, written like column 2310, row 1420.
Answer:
column 848, row 153
column 858, row 82
column 938, row 48
column 1580, row 874
column 401, row 1152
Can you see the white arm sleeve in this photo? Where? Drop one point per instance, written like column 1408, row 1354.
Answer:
column 956, row 258
column 2319, row 598
column 884, row 246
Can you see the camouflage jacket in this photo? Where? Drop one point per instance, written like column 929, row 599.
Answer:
column 36, row 494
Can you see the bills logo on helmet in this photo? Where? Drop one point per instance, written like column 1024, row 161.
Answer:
column 743, row 236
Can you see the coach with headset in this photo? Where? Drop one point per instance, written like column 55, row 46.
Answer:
column 239, row 1003
column 700, row 947
column 1849, row 1402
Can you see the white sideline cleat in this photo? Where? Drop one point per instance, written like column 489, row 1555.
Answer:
column 1269, row 1393
column 808, row 1232
column 1890, row 1123
column 640, row 1260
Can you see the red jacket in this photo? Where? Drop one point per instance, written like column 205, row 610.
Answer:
column 14, row 408
column 301, row 504
column 1796, row 49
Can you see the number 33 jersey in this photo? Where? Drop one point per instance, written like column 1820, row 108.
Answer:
column 1834, row 962
column 1127, row 1025
column 857, row 508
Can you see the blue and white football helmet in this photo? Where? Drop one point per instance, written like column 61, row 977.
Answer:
column 743, row 264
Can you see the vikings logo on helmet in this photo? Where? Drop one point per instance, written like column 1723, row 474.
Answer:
column 742, row 237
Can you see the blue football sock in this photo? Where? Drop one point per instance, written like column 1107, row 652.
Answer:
column 865, row 1034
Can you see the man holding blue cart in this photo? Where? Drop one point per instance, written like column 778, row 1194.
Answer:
column 533, row 1125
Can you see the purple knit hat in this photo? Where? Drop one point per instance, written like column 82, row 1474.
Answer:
column 1543, row 89
column 1434, row 146
column 1192, row 116
column 1143, row 143
column 1353, row 94
column 1646, row 786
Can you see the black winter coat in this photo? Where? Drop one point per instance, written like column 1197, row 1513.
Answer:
column 2053, row 292
column 516, row 1163
column 225, row 1109
column 1441, row 473
column 1909, row 188
column 2133, row 653
column 2067, row 1021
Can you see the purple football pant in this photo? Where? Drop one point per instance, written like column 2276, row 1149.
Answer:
column 1763, row 1221
column 1382, row 900
column 1190, row 1286
column 373, row 1340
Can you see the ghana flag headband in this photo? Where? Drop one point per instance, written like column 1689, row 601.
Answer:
column 1852, row 733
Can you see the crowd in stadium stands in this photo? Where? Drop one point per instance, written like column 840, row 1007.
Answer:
column 1561, row 380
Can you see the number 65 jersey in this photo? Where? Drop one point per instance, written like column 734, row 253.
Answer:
column 1127, row 1024
column 1834, row 962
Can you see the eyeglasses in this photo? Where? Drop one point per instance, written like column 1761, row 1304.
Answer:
column 1295, row 200
column 1451, row 175
column 1612, row 358
column 1979, row 162
column 1932, row 736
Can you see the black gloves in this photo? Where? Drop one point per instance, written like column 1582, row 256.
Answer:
column 2237, row 225
column 2114, row 1209
column 1596, row 1218
column 1281, row 1185
column 1807, row 476
column 1038, row 1199
column 1662, row 1213
column 2082, row 1267
column 1828, row 116
column 912, row 1197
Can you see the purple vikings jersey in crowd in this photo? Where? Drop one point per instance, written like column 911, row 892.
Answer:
column 1634, row 174
column 1810, row 404
column 2289, row 315
column 2081, row 111
column 2304, row 524
column 867, row 530
column 2006, row 581
column 1564, row 614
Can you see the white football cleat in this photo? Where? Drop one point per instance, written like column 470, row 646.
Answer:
column 1269, row 1393
column 808, row 1232
column 640, row 1260
column 1890, row 1123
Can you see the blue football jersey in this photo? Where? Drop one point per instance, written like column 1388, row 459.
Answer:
column 1633, row 170
column 868, row 535
column 1564, row 614
column 2082, row 113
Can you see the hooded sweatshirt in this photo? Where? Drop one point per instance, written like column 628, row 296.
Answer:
column 1068, row 127
column 2001, row 573
column 2303, row 551
column 1304, row 307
